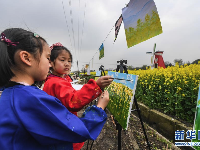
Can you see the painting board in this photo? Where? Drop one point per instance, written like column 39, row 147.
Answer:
column 121, row 94
column 196, row 126
column 141, row 21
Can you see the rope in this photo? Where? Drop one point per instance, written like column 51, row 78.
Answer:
column 72, row 29
column 102, row 42
column 83, row 26
column 66, row 23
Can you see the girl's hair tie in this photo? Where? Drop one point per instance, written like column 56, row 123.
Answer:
column 7, row 41
column 55, row 45
column 36, row 35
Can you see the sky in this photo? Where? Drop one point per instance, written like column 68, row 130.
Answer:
column 83, row 25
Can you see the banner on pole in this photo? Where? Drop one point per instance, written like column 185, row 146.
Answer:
column 117, row 26
column 101, row 51
column 87, row 67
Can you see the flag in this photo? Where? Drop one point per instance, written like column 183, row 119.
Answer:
column 117, row 26
column 101, row 51
column 88, row 70
column 86, row 66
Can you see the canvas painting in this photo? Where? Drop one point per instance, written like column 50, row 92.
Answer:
column 196, row 121
column 141, row 21
column 121, row 93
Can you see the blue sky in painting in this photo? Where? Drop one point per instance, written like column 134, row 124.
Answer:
column 137, row 10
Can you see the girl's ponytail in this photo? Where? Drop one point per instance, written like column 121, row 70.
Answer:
column 5, row 64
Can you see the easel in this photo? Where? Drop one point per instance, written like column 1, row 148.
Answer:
column 101, row 68
column 122, row 68
column 139, row 115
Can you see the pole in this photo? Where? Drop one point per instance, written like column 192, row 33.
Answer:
column 120, row 67
column 139, row 115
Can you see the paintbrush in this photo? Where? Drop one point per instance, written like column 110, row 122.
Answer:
column 110, row 78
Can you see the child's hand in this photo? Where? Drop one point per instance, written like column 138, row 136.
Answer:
column 103, row 100
column 104, row 81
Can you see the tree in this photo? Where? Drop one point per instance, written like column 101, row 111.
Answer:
column 179, row 61
column 167, row 63
column 188, row 63
column 196, row 61
column 130, row 67
column 147, row 24
column 144, row 67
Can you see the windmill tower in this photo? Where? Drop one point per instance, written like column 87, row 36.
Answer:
column 158, row 61
column 157, row 57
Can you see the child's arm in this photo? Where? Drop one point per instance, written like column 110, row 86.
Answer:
column 104, row 81
column 49, row 122
column 72, row 99
column 103, row 100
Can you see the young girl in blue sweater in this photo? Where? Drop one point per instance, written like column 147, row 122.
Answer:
column 30, row 119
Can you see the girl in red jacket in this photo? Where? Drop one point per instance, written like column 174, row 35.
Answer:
column 58, row 83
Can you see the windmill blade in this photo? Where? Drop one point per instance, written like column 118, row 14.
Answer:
column 151, row 59
column 148, row 52
column 154, row 48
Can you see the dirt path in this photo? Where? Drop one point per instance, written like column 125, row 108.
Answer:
column 131, row 139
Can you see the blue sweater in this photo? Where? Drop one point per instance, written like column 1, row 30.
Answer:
column 30, row 119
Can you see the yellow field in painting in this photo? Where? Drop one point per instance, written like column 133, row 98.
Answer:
column 120, row 98
column 144, row 30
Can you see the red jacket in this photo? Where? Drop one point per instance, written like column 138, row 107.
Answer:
column 70, row 98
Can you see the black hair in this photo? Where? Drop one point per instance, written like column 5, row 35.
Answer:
column 57, row 50
column 27, row 41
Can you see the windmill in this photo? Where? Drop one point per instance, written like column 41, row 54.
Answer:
column 157, row 57
column 153, row 54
